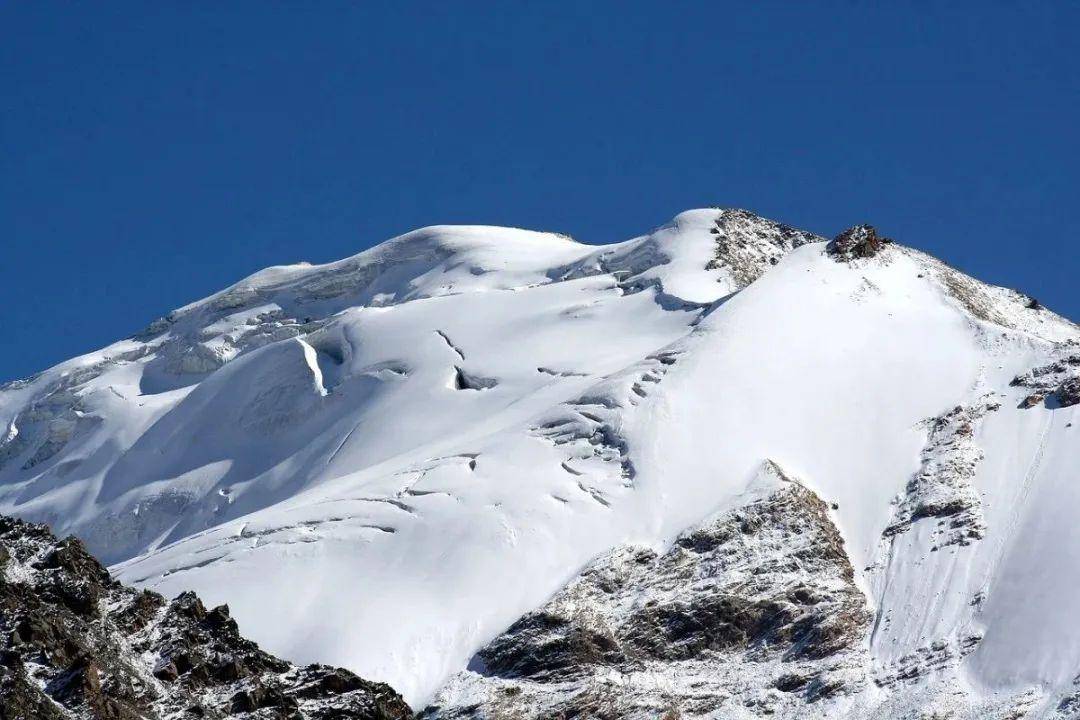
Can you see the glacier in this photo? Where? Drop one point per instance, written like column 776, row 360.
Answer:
column 384, row 462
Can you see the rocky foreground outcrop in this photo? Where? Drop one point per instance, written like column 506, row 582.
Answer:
column 755, row 611
column 74, row 643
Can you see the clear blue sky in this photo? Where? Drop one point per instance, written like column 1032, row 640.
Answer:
column 151, row 153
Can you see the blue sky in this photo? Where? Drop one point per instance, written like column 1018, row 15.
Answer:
column 151, row 153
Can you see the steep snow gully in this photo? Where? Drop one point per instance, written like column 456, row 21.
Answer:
column 471, row 461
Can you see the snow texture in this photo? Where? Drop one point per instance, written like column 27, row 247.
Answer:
column 387, row 461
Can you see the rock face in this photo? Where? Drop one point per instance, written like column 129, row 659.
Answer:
column 1058, row 382
column 943, row 489
column 1068, row 392
column 77, row 644
column 860, row 241
column 747, row 247
column 754, row 608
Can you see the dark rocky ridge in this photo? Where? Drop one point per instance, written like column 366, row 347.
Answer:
column 860, row 241
column 756, row 607
column 74, row 643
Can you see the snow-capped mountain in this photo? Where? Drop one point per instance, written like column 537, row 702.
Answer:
column 723, row 469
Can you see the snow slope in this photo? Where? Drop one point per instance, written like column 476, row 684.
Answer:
column 384, row 462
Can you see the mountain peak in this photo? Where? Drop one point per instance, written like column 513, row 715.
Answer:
column 386, row 461
column 858, row 241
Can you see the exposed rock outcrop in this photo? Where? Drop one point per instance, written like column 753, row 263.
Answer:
column 1057, row 384
column 755, row 608
column 746, row 245
column 860, row 241
column 943, row 490
column 77, row 644
column 455, row 422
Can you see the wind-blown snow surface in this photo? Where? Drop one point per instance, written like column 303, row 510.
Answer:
column 383, row 462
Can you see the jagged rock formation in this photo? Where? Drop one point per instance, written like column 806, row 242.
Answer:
column 746, row 246
column 756, row 607
column 859, row 241
column 77, row 644
column 1057, row 383
column 943, row 489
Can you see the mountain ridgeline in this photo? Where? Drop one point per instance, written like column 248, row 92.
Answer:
column 726, row 469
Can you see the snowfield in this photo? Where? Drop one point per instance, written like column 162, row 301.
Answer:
column 384, row 462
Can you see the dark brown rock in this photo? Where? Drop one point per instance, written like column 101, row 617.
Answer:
column 860, row 241
column 791, row 682
column 544, row 645
column 1068, row 393
column 167, row 672
column 768, row 581
column 20, row 699
column 66, row 657
column 1058, row 383
column 140, row 611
